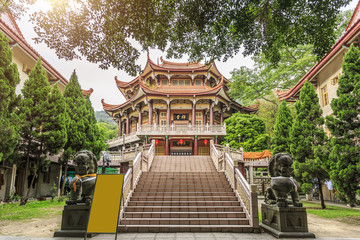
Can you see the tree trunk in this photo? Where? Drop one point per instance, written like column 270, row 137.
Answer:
column 59, row 181
column 23, row 179
column 321, row 194
column 65, row 176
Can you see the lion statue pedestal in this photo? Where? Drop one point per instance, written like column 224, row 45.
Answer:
column 280, row 217
column 77, row 211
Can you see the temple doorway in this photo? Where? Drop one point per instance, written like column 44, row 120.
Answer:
column 181, row 147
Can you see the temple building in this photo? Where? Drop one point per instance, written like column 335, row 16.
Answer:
column 25, row 57
column 182, row 106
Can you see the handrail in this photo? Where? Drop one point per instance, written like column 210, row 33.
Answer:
column 227, row 159
column 135, row 171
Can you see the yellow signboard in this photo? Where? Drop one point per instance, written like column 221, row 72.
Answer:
column 104, row 212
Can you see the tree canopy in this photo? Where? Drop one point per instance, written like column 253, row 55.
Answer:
column 248, row 84
column 107, row 32
column 9, row 78
column 258, row 82
column 43, row 129
column 281, row 140
column 251, row 129
column 307, row 137
column 344, row 125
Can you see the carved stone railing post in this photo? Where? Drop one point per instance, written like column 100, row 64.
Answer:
column 254, row 206
column 236, row 163
column 131, row 166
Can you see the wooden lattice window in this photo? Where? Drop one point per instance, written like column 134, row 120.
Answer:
column 198, row 82
column 325, row 96
column 164, row 82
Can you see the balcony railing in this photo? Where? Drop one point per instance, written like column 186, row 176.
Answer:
column 181, row 130
column 132, row 137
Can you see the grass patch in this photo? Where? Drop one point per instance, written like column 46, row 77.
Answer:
column 342, row 214
column 33, row 209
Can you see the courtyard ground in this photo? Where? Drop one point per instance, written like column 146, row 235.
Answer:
column 48, row 220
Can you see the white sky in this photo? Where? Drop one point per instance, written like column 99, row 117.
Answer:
column 102, row 81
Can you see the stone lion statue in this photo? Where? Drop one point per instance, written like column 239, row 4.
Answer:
column 282, row 184
column 83, row 184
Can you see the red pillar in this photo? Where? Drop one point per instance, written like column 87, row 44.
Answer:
column 146, row 140
column 211, row 113
column 120, row 127
column 193, row 117
column 150, row 113
column 196, row 146
column 167, row 148
column 168, row 115
column 157, row 117
column 140, row 118
column 221, row 115
column 127, row 124
column 204, row 117
column 216, row 140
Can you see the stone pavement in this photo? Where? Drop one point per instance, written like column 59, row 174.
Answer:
column 173, row 236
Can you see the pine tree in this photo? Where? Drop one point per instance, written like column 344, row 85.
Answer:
column 282, row 128
column 43, row 130
column 9, row 78
column 95, row 138
column 77, row 122
column 344, row 125
column 307, row 137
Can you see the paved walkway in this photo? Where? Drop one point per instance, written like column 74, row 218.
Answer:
column 174, row 236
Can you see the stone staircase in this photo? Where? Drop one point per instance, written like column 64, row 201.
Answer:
column 184, row 194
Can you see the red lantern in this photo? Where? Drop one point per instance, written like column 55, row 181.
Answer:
column 157, row 141
column 181, row 142
column 206, row 142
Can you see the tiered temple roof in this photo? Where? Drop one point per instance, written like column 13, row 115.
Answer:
column 148, row 84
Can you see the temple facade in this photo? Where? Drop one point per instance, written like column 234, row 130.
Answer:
column 181, row 106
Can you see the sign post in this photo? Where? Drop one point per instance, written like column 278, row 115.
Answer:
column 105, row 206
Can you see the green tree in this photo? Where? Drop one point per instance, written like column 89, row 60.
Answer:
column 344, row 126
column 94, row 137
column 109, row 131
column 268, row 111
column 100, row 30
column 77, row 122
column 43, row 129
column 251, row 129
column 248, row 84
column 282, row 128
column 307, row 137
column 9, row 78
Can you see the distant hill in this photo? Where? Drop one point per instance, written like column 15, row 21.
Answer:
column 101, row 116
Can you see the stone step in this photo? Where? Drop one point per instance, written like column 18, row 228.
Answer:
column 229, row 189
column 184, row 221
column 186, row 228
column 183, row 209
column 183, row 203
column 173, row 194
column 185, row 215
column 184, row 198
